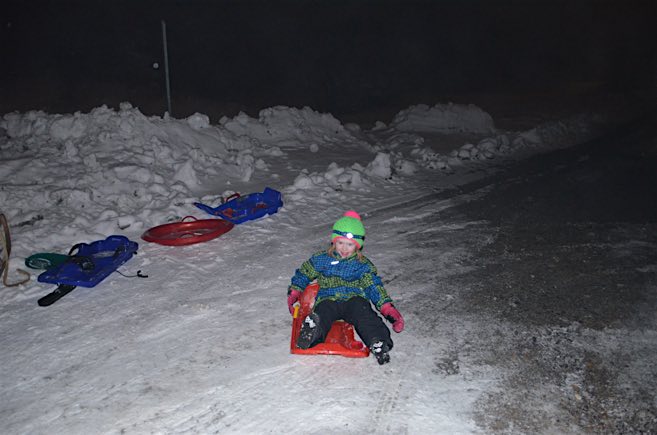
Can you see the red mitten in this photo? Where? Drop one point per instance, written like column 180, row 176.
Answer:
column 292, row 298
column 393, row 316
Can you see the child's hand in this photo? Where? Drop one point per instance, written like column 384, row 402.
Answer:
column 393, row 316
column 292, row 298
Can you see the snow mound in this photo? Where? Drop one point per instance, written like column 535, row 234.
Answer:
column 288, row 126
column 89, row 175
column 548, row 136
column 444, row 118
column 110, row 170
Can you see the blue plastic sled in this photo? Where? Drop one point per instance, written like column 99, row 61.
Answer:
column 92, row 262
column 246, row 208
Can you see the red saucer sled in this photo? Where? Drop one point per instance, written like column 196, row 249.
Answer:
column 340, row 339
column 187, row 233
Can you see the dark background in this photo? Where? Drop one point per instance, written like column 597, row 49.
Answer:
column 343, row 57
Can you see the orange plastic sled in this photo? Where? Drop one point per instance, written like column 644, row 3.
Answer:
column 340, row 339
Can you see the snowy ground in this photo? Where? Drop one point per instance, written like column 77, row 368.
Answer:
column 202, row 344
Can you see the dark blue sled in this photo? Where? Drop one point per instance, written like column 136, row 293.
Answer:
column 246, row 208
column 92, row 262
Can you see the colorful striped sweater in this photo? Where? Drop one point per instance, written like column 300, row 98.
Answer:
column 340, row 278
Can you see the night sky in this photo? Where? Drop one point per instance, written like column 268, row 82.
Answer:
column 337, row 56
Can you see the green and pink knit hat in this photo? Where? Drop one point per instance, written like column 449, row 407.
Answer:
column 349, row 227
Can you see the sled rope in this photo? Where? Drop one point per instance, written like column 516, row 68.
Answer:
column 138, row 275
column 5, row 247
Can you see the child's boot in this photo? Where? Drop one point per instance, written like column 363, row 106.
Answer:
column 380, row 350
column 310, row 332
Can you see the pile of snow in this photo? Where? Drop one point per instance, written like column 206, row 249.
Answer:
column 548, row 136
column 106, row 170
column 90, row 175
column 288, row 126
column 444, row 118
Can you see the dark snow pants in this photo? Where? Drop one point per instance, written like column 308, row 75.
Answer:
column 358, row 312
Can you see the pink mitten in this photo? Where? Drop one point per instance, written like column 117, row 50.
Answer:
column 390, row 312
column 292, row 298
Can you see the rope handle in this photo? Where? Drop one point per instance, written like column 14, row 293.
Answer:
column 6, row 250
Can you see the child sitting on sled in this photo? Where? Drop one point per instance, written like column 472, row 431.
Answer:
column 348, row 283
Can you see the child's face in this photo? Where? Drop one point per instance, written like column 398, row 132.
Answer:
column 345, row 247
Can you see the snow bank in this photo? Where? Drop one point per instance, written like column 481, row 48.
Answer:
column 288, row 126
column 101, row 167
column 107, row 170
column 551, row 135
column 444, row 118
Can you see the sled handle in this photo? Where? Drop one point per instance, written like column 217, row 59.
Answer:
column 186, row 217
column 234, row 195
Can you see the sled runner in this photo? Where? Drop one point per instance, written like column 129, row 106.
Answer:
column 340, row 339
column 246, row 208
column 87, row 265
column 187, row 233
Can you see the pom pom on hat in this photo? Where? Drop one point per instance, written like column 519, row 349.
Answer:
column 353, row 214
column 349, row 227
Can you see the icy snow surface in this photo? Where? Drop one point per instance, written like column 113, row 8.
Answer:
column 202, row 344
